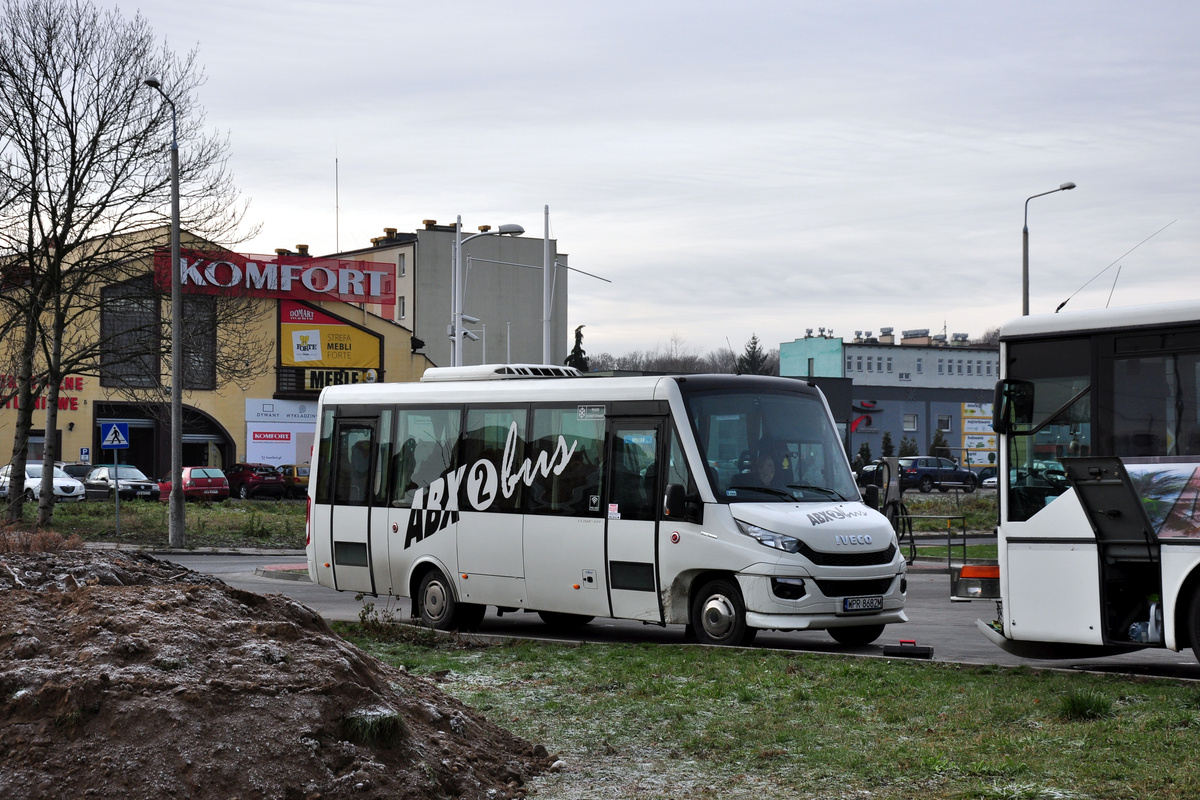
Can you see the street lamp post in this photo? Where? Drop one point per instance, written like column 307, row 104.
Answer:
column 1025, row 248
column 456, row 298
column 176, row 519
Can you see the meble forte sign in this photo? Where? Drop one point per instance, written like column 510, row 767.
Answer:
column 285, row 277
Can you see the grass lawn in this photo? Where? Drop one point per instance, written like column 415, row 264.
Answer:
column 685, row 721
column 230, row 523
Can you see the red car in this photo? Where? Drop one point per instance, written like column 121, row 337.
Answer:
column 199, row 483
column 255, row 480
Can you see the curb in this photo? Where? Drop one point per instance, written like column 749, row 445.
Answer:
column 284, row 572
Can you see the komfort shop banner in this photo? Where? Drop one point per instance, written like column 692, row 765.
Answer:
column 329, row 350
column 286, row 277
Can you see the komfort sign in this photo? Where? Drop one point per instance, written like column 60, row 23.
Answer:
column 280, row 276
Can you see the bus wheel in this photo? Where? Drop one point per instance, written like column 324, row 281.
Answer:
column 719, row 615
column 564, row 622
column 438, row 606
column 857, row 636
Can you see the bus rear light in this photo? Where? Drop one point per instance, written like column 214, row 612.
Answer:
column 307, row 521
column 980, row 571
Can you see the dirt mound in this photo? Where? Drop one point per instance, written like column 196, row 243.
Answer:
column 123, row 676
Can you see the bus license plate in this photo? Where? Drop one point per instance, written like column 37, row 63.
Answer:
column 862, row 603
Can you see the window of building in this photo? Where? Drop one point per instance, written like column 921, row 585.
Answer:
column 849, row 363
column 920, row 365
column 970, row 365
column 401, row 307
column 130, row 336
column 400, row 268
column 910, row 422
column 199, row 342
column 889, row 364
column 905, row 376
column 870, row 364
column 960, row 366
column 945, row 422
column 941, row 366
column 860, row 368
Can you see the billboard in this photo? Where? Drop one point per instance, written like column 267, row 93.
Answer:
column 330, row 350
column 279, row 276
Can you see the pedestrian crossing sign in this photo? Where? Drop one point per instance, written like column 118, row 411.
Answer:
column 114, row 435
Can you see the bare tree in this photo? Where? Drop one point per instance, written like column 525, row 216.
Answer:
column 85, row 189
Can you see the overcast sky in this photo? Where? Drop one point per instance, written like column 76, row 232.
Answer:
column 732, row 168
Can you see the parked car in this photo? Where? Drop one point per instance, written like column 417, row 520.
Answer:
column 982, row 476
column 927, row 472
column 255, row 480
column 76, row 469
column 128, row 480
column 199, row 483
column 871, row 474
column 66, row 488
column 295, row 479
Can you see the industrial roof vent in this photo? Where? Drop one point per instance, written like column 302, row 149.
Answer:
column 498, row 372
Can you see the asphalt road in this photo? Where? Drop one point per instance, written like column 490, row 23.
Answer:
column 933, row 620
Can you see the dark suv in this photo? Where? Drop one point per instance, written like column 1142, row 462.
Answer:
column 255, row 480
column 926, row 472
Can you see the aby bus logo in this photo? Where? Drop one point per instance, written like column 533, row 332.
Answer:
column 269, row 436
column 821, row 517
column 436, row 506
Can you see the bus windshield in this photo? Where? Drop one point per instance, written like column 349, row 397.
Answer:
column 764, row 447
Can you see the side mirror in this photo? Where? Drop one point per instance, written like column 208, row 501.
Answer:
column 871, row 496
column 674, row 500
column 1012, row 404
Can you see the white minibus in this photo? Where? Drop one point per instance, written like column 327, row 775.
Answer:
column 721, row 502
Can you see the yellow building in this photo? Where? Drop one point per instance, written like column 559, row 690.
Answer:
column 316, row 321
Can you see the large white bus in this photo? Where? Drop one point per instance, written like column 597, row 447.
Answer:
column 1098, row 422
column 718, row 501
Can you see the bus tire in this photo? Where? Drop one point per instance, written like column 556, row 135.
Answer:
column 438, row 606
column 719, row 614
column 564, row 622
column 857, row 636
column 1194, row 622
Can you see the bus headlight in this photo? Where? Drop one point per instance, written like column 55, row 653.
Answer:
column 788, row 544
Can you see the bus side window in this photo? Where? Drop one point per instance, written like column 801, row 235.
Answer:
column 427, row 449
column 487, row 438
column 573, row 487
column 383, row 458
column 678, row 473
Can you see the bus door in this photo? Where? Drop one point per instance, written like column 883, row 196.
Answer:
column 354, row 443
column 1128, row 548
column 633, row 504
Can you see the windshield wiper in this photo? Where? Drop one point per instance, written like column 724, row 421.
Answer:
column 824, row 489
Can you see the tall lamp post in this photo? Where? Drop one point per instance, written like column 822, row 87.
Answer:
column 1025, row 248
column 456, row 313
column 175, row 535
